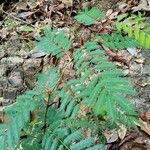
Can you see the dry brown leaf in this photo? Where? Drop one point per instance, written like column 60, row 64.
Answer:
column 111, row 136
column 145, row 126
column 147, row 115
column 68, row 3
column 109, row 12
column 113, row 15
column 21, row 6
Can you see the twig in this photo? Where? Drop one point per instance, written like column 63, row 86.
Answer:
column 113, row 56
column 16, row 18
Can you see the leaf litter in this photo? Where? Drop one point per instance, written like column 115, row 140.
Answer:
column 29, row 17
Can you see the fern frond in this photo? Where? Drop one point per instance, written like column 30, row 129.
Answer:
column 19, row 113
column 89, row 17
column 101, row 82
column 54, row 42
column 117, row 41
column 59, row 137
column 137, row 27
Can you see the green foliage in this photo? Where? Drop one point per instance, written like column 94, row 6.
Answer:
column 101, row 85
column 117, row 41
column 89, row 17
column 135, row 26
column 19, row 113
column 98, row 85
column 62, row 137
column 54, row 42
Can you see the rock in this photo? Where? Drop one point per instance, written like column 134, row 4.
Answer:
column 135, row 69
column 3, row 82
column 2, row 54
column 140, row 104
column 10, row 93
column 2, row 70
column 37, row 55
column 5, row 102
column 12, row 61
column 32, row 66
column 1, row 91
column 146, row 70
column 16, row 79
column 86, row 35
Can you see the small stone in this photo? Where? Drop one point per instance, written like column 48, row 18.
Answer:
column 86, row 35
column 7, row 102
column 37, row 54
column 126, row 72
column 13, row 61
column 15, row 79
column 10, row 93
column 31, row 66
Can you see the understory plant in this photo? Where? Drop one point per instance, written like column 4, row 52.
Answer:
column 135, row 26
column 72, row 113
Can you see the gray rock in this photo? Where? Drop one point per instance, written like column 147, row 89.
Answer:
column 2, row 70
column 6, row 102
column 37, row 54
column 86, row 35
column 15, row 79
column 146, row 70
column 10, row 93
column 12, row 61
column 1, row 91
column 3, row 82
column 2, row 54
column 32, row 66
column 140, row 104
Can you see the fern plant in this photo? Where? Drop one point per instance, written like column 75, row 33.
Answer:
column 98, row 85
column 101, row 85
column 117, row 41
column 54, row 42
column 89, row 17
column 135, row 26
column 18, row 114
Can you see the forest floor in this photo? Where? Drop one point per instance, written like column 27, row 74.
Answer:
column 21, row 22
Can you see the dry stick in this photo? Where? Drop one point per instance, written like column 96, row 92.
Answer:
column 16, row 18
column 114, row 56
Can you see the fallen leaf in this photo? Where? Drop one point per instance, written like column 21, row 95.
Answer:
column 145, row 126
column 109, row 12
column 111, row 136
column 68, row 3
column 122, row 132
column 140, row 60
column 147, row 115
column 34, row 3
column 113, row 15
column 3, row 33
column 21, row 6
column 26, row 28
column 24, row 15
